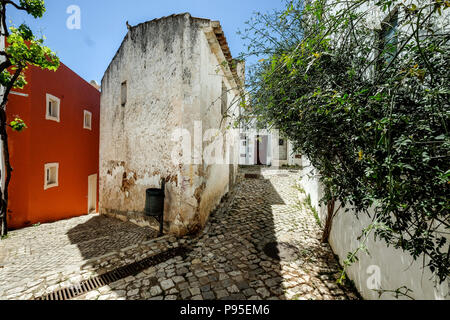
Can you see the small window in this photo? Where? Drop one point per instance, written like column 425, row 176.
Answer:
column 52, row 108
column 51, row 175
column 123, row 93
column 281, row 142
column 87, row 121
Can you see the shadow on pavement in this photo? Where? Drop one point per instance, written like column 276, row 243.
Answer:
column 101, row 235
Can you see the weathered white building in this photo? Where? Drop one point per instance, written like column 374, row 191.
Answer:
column 164, row 97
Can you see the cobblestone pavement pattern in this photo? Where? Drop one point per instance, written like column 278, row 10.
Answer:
column 227, row 261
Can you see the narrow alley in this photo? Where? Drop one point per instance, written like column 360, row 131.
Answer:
column 257, row 245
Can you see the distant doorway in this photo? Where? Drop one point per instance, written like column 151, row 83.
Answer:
column 261, row 150
column 92, row 194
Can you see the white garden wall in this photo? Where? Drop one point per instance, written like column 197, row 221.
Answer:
column 386, row 268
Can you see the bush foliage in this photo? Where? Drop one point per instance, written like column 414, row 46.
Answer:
column 368, row 103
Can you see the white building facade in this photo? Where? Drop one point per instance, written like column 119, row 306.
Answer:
column 267, row 148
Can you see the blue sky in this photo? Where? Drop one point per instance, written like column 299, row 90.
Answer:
column 89, row 50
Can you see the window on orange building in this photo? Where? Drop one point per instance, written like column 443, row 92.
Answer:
column 52, row 108
column 51, row 175
column 87, row 121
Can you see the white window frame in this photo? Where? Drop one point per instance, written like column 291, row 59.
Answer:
column 90, row 120
column 49, row 166
column 48, row 116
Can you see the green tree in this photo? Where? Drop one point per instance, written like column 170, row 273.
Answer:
column 369, row 106
column 23, row 49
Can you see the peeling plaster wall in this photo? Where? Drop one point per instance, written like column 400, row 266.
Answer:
column 135, row 140
column 167, row 65
column 217, row 177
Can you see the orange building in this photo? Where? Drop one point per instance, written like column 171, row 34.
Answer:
column 55, row 160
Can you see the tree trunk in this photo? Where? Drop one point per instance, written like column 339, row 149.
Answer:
column 329, row 222
column 8, row 168
column 4, row 192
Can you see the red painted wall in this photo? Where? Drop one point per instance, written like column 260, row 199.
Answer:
column 75, row 149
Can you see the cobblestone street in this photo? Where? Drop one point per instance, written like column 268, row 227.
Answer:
column 233, row 258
